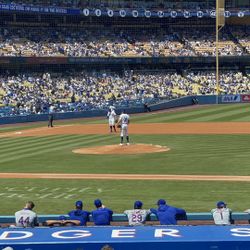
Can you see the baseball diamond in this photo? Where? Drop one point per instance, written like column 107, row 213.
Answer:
column 209, row 147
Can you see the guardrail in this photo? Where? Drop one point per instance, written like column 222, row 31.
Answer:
column 236, row 216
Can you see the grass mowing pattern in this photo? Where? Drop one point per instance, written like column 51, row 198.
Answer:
column 120, row 195
column 190, row 154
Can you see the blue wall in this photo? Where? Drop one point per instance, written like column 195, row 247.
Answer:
column 124, row 238
column 184, row 101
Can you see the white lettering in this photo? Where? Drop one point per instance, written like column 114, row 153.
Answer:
column 75, row 234
column 123, row 233
column 240, row 232
column 23, row 235
column 159, row 233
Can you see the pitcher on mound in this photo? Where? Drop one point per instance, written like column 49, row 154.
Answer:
column 124, row 121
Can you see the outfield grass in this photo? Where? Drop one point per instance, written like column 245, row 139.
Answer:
column 189, row 154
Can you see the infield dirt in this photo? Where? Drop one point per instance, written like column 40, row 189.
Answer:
column 154, row 128
column 146, row 128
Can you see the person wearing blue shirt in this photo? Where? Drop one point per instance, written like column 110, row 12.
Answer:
column 168, row 215
column 79, row 214
column 102, row 215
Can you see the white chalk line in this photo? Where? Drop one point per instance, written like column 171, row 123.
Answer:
column 55, row 192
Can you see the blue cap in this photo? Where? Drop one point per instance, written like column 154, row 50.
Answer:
column 98, row 203
column 161, row 202
column 221, row 204
column 62, row 217
column 138, row 204
column 79, row 204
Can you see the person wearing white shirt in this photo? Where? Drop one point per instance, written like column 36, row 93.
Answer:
column 26, row 217
column 221, row 214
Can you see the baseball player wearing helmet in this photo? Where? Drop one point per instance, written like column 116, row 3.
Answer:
column 124, row 121
column 111, row 116
column 137, row 216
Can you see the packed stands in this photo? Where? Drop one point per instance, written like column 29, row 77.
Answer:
column 113, row 42
column 78, row 91
column 114, row 4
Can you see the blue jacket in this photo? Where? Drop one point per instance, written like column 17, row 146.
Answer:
column 168, row 215
column 102, row 216
column 81, row 215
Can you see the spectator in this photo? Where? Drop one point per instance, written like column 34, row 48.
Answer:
column 137, row 216
column 168, row 215
column 102, row 215
column 26, row 217
column 221, row 214
column 79, row 214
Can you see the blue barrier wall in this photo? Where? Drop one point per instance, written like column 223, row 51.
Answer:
column 132, row 238
column 184, row 101
column 180, row 102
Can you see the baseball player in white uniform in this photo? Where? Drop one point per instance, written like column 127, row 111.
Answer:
column 26, row 217
column 124, row 121
column 137, row 216
column 111, row 116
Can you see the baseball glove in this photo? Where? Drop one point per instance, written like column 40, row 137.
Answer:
column 118, row 125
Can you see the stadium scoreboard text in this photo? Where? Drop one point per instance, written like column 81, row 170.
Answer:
column 146, row 237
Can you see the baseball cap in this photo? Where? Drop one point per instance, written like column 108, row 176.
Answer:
column 161, row 202
column 221, row 204
column 79, row 204
column 98, row 203
column 138, row 204
column 62, row 217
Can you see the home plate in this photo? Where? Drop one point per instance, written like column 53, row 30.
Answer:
column 18, row 133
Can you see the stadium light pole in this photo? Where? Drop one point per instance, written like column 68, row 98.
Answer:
column 220, row 22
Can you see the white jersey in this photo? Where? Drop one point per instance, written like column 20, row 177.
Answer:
column 124, row 119
column 26, row 218
column 111, row 114
column 137, row 217
column 51, row 109
column 221, row 216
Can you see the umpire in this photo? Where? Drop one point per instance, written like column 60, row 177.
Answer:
column 51, row 116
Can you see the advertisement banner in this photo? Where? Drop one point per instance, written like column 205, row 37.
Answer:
column 230, row 98
column 99, row 12
column 245, row 98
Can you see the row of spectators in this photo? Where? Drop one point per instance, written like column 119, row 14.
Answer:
column 109, row 42
column 102, row 216
column 115, row 4
column 82, row 90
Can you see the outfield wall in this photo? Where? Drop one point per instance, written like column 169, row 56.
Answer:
column 132, row 238
column 180, row 102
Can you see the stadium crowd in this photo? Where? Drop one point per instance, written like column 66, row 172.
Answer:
column 203, row 43
column 111, row 42
column 114, row 4
column 81, row 90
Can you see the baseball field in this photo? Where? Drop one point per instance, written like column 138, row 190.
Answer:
column 192, row 157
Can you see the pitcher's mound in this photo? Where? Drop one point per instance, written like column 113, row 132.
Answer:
column 124, row 149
